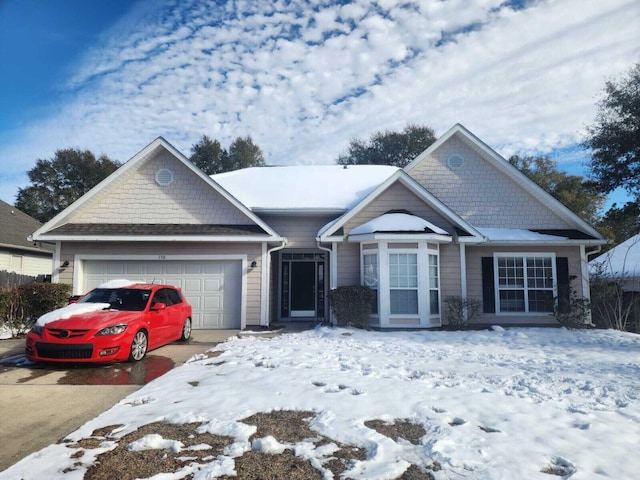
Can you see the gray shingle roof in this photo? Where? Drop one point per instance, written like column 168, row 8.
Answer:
column 156, row 229
column 15, row 227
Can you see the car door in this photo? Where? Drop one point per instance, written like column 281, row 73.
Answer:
column 159, row 326
column 176, row 314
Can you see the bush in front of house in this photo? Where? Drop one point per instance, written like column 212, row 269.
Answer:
column 22, row 305
column 460, row 311
column 352, row 305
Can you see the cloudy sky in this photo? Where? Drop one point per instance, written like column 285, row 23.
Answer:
column 302, row 78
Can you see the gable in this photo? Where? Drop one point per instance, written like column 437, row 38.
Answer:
column 397, row 197
column 464, row 179
column 138, row 198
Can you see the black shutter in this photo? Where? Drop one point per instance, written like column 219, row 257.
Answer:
column 564, row 289
column 488, row 286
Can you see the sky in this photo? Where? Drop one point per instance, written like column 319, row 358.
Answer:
column 303, row 78
column 538, row 404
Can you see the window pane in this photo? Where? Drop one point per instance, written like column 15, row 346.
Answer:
column 434, row 304
column 370, row 270
column 541, row 300
column 404, row 301
column 512, row 301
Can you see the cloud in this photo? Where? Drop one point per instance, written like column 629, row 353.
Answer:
column 303, row 80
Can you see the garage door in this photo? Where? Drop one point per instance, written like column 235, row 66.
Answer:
column 212, row 287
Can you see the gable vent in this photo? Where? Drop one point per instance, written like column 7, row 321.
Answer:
column 164, row 177
column 455, row 162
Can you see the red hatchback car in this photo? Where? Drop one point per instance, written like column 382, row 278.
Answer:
column 111, row 325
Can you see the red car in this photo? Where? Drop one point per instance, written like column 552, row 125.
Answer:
column 111, row 325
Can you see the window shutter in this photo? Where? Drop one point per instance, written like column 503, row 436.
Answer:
column 488, row 286
column 564, row 289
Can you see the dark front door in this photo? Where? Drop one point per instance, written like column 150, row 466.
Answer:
column 303, row 289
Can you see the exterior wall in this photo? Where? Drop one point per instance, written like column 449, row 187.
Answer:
column 300, row 230
column 348, row 264
column 449, row 271
column 397, row 196
column 137, row 198
column 253, row 251
column 32, row 265
column 474, row 280
column 479, row 192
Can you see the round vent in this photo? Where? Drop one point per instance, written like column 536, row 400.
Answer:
column 455, row 162
column 164, row 177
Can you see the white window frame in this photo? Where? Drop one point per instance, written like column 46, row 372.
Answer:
column 525, row 288
column 433, row 287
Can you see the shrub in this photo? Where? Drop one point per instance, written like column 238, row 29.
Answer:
column 352, row 305
column 456, row 307
column 22, row 305
column 572, row 312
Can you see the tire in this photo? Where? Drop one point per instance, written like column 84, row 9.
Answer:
column 139, row 346
column 186, row 330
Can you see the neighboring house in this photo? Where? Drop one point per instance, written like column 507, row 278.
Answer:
column 17, row 253
column 262, row 244
column 621, row 262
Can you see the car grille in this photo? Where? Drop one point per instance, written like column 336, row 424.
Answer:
column 69, row 352
column 64, row 333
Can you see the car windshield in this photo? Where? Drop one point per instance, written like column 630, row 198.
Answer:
column 130, row 299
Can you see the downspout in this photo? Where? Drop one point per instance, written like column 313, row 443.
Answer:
column 463, row 279
column 584, row 260
column 333, row 271
column 266, row 279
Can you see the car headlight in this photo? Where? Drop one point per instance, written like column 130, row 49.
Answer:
column 37, row 329
column 112, row 330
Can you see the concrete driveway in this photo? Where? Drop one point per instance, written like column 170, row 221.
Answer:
column 41, row 404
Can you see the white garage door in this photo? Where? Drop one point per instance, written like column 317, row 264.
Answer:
column 212, row 287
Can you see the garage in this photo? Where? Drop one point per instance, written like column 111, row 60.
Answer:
column 212, row 287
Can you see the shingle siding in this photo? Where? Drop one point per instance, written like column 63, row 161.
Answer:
column 139, row 199
column 479, row 192
column 299, row 230
column 397, row 196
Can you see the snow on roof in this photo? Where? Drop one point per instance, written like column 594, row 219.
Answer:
column 622, row 260
column 513, row 234
column 69, row 311
column 319, row 187
column 397, row 222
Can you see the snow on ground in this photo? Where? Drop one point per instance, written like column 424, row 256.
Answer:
column 499, row 404
column 5, row 332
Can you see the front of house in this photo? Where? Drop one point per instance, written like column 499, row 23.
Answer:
column 257, row 245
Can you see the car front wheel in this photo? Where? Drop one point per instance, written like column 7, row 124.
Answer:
column 186, row 330
column 139, row 346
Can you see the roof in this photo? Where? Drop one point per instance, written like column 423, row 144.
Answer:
column 321, row 188
column 621, row 261
column 156, row 229
column 16, row 227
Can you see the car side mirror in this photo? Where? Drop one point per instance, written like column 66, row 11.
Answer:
column 158, row 306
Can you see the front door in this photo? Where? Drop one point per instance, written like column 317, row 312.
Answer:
column 303, row 289
column 302, row 285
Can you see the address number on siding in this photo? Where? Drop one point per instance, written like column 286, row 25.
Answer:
column 162, row 257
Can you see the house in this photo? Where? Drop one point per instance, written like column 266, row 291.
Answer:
column 262, row 244
column 17, row 253
column 621, row 263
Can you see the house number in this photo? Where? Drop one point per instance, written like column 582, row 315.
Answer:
column 162, row 257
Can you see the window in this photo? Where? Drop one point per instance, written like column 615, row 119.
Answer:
column 403, row 283
column 370, row 277
column 434, row 285
column 525, row 283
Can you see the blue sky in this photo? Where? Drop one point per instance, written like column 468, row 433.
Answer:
column 302, row 78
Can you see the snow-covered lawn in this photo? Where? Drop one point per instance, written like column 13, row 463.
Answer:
column 494, row 404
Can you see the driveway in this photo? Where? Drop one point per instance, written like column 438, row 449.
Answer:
column 41, row 404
